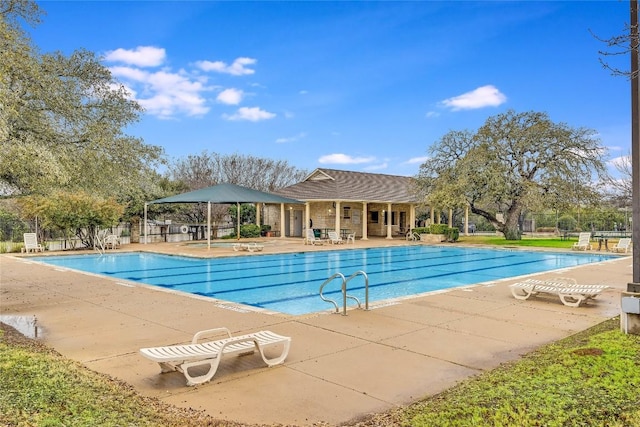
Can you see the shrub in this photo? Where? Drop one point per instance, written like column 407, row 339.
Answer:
column 249, row 230
column 438, row 228
column 421, row 230
column 452, row 234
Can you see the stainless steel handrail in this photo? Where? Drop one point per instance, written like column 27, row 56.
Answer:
column 366, row 289
column 344, row 291
column 330, row 279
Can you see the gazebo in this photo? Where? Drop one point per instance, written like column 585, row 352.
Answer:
column 222, row 194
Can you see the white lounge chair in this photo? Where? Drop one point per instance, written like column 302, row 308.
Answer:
column 568, row 290
column 623, row 245
column 583, row 243
column 111, row 242
column 251, row 247
column 334, row 239
column 31, row 243
column 311, row 238
column 183, row 357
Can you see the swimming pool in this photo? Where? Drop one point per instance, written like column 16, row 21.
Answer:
column 289, row 283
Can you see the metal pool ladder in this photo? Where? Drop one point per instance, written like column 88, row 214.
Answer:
column 344, row 291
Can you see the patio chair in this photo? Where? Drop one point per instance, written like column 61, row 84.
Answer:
column 183, row 357
column 568, row 290
column 334, row 238
column 311, row 238
column 251, row 247
column 31, row 243
column 623, row 245
column 111, row 242
column 583, row 243
column 351, row 237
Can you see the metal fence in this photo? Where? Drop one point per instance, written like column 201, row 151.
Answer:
column 12, row 234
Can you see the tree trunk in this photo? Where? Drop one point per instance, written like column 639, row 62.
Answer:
column 511, row 230
column 512, row 233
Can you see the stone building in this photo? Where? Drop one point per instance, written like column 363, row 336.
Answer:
column 366, row 204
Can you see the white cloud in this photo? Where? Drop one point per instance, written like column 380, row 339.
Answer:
column 252, row 114
column 164, row 94
column 238, row 68
column 141, row 56
column 295, row 138
column 230, row 96
column 431, row 114
column 344, row 159
column 415, row 160
column 484, row 96
column 129, row 73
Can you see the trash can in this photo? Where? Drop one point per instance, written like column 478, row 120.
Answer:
column 317, row 233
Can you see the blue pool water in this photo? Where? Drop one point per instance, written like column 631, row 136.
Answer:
column 289, row 283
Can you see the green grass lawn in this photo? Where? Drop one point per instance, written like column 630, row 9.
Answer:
column 526, row 241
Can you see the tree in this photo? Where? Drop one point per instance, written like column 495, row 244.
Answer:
column 621, row 188
column 78, row 214
column 514, row 162
column 618, row 46
column 207, row 169
column 62, row 118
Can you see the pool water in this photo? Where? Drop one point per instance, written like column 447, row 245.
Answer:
column 289, row 283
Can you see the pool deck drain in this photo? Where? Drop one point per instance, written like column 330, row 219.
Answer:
column 339, row 368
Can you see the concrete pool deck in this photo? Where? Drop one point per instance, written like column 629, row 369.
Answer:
column 340, row 368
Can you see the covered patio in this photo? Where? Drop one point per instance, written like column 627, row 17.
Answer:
column 224, row 194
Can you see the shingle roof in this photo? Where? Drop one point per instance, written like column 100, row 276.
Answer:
column 333, row 184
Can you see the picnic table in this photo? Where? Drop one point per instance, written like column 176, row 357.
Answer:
column 604, row 236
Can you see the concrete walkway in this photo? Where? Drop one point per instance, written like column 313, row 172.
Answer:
column 340, row 368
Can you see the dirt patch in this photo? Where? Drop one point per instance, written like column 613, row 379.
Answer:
column 588, row 352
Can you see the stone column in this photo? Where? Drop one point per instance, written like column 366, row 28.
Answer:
column 389, row 216
column 364, row 220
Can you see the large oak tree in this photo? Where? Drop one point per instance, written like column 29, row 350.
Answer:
column 62, row 119
column 514, row 162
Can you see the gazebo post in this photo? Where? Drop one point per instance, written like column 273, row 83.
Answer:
column 238, row 216
column 209, row 224
column 145, row 223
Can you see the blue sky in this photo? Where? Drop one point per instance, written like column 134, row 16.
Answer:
column 355, row 85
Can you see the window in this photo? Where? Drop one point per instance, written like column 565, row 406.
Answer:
column 346, row 212
column 374, row 216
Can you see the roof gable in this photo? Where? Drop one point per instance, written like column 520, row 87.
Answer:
column 334, row 184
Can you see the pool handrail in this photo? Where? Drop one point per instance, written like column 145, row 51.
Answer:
column 330, row 279
column 344, row 291
column 366, row 289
